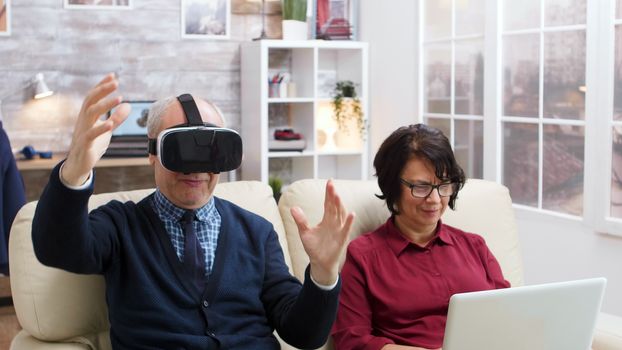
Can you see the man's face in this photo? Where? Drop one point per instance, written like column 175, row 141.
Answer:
column 188, row 191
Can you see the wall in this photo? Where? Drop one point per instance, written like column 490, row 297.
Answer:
column 75, row 48
column 559, row 249
column 392, row 63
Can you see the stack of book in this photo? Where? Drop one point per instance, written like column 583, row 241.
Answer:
column 128, row 146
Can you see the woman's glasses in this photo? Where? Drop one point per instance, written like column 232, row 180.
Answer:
column 424, row 190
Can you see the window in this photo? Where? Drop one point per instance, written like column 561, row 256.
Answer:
column 543, row 118
column 549, row 108
column 453, row 56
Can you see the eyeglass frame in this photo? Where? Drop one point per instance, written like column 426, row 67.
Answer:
column 411, row 186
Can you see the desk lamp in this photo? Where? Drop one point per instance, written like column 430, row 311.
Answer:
column 263, row 35
column 40, row 90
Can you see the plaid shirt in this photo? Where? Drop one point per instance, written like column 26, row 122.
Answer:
column 206, row 224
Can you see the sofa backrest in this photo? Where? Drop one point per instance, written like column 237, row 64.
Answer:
column 55, row 305
column 482, row 207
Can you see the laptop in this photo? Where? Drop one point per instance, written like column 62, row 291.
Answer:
column 554, row 316
column 130, row 138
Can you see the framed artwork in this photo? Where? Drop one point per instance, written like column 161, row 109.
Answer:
column 5, row 17
column 98, row 4
column 206, row 19
column 136, row 122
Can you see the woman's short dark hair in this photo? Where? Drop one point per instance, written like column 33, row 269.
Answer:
column 415, row 141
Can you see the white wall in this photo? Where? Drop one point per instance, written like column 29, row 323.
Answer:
column 390, row 29
column 558, row 249
column 554, row 249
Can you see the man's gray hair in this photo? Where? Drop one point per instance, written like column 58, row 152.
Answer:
column 157, row 110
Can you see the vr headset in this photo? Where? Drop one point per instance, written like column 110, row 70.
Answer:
column 197, row 147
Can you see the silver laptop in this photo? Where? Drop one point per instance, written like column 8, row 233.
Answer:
column 554, row 316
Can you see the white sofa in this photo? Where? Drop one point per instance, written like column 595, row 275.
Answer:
column 60, row 310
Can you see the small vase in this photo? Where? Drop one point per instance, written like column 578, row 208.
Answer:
column 294, row 30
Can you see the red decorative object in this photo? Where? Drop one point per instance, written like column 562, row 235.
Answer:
column 286, row 134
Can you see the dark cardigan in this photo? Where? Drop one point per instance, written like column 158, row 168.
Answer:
column 152, row 302
column 12, row 196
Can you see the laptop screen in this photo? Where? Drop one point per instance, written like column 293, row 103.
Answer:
column 136, row 123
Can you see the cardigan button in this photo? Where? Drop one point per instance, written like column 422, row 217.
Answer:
column 205, row 303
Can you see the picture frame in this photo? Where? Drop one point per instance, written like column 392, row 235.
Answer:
column 5, row 17
column 136, row 123
column 206, row 19
column 98, row 4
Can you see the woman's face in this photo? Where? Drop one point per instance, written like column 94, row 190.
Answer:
column 419, row 215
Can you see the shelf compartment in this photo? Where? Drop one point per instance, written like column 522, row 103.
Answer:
column 336, row 65
column 296, row 116
column 298, row 63
column 340, row 166
column 291, row 169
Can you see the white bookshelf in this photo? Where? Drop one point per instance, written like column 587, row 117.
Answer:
column 314, row 66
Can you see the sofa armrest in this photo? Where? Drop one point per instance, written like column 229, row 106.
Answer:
column 608, row 334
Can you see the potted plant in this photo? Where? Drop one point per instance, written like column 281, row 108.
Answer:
column 294, row 19
column 276, row 184
column 346, row 106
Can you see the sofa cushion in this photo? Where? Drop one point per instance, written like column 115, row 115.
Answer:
column 483, row 207
column 357, row 196
column 608, row 334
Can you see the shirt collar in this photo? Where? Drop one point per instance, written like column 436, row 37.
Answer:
column 397, row 242
column 170, row 211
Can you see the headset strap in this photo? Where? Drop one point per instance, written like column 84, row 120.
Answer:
column 190, row 110
column 152, row 147
column 192, row 115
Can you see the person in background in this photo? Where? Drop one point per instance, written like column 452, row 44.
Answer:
column 397, row 280
column 12, row 197
column 239, row 289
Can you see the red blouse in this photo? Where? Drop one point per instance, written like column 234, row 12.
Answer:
column 395, row 292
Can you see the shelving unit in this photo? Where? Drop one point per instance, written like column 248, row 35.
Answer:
column 304, row 105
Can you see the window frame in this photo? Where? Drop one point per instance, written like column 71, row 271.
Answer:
column 599, row 30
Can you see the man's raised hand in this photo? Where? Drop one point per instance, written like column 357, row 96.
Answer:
column 326, row 242
column 91, row 135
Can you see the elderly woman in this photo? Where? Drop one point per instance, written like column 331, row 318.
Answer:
column 397, row 280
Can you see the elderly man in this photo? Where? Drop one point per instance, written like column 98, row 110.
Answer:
column 185, row 269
